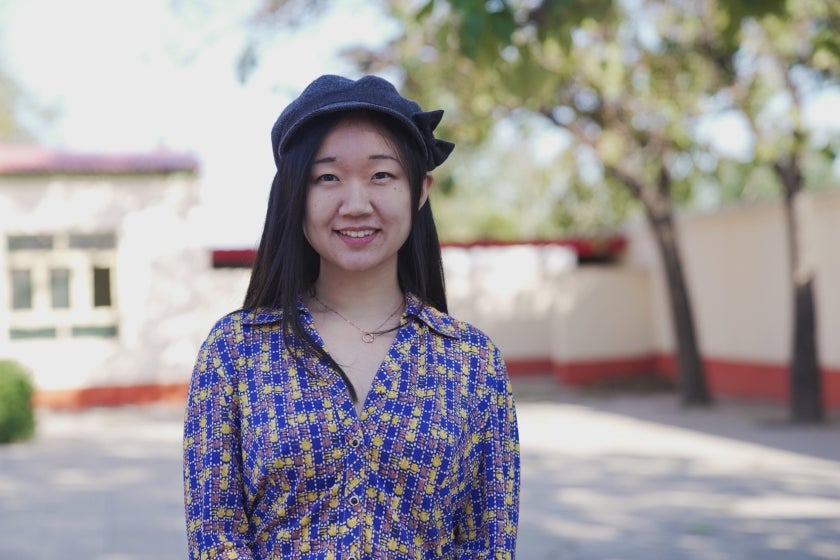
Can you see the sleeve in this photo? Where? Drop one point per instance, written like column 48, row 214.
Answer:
column 217, row 524
column 487, row 526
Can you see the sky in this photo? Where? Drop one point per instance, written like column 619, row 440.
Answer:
column 125, row 75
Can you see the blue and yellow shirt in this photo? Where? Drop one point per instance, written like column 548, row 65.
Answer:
column 278, row 464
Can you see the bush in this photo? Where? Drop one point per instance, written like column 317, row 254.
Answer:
column 17, row 419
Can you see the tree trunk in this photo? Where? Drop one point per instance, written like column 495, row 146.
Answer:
column 805, row 383
column 806, row 390
column 692, row 380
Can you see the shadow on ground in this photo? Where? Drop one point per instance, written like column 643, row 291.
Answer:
column 98, row 485
column 631, row 475
column 652, row 400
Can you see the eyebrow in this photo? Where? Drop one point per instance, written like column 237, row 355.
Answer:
column 333, row 159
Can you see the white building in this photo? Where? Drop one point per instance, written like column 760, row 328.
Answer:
column 102, row 278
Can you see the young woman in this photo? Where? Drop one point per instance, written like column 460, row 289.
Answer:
column 341, row 413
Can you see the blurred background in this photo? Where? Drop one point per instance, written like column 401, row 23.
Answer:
column 644, row 193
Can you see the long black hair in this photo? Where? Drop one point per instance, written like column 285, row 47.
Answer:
column 287, row 266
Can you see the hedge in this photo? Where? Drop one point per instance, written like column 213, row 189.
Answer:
column 17, row 418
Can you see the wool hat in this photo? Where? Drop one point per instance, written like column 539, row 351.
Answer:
column 330, row 94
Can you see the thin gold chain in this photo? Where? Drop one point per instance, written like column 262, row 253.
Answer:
column 367, row 336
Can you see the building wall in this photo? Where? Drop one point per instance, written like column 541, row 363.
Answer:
column 159, row 277
column 737, row 268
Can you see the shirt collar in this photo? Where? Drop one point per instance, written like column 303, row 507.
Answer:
column 432, row 317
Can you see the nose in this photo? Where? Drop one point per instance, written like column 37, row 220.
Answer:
column 356, row 200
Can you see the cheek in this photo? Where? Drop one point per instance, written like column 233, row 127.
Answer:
column 309, row 218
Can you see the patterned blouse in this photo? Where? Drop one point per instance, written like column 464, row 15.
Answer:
column 278, row 464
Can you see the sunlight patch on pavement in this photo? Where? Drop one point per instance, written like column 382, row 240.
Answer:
column 827, row 550
column 581, row 431
column 651, row 499
column 786, row 507
column 579, row 531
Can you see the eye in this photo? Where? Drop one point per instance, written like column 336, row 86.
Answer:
column 382, row 176
column 326, row 178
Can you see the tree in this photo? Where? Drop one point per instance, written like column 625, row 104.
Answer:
column 626, row 98
column 627, row 95
column 784, row 58
column 631, row 81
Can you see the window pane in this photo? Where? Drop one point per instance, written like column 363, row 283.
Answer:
column 21, row 289
column 101, row 287
column 23, row 334
column 29, row 242
column 92, row 241
column 109, row 331
column 60, row 288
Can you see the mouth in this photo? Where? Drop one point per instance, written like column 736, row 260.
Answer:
column 357, row 234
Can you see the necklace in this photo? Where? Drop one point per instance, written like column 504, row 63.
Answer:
column 367, row 336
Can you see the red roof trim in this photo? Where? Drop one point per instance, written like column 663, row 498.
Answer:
column 586, row 249
column 31, row 160
column 234, row 258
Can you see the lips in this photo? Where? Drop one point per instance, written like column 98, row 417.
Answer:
column 357, row 234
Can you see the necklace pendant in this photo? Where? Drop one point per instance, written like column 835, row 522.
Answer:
column 367, row 337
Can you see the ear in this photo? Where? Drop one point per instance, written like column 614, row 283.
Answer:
column 425, row 189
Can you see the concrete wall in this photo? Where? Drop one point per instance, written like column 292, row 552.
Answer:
column 160, row 277
column 737, row 266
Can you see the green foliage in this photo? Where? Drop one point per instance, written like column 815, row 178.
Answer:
column 17, row 418
column 627, row 80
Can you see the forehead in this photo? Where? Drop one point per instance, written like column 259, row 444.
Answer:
column 357, row 127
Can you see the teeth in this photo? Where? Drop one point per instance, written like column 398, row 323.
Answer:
column 358, row 234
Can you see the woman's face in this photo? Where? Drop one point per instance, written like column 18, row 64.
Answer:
column 358, row 208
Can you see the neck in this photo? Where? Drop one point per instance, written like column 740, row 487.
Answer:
column 359, row 293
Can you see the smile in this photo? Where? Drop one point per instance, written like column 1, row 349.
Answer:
column 358, row 234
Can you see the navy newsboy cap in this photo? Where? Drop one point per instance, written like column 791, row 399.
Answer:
column 330, row 94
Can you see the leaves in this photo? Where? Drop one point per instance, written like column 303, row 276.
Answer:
column 630, row 81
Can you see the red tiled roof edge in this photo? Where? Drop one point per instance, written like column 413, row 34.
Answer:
column 587, row 249
column 31, row 160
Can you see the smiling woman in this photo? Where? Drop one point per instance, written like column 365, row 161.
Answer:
column 358, row 211
column 342, row 412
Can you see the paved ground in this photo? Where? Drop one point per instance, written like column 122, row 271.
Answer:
column 621, row 477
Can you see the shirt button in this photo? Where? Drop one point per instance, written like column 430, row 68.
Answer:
column 354, row 443
column 351, row 557
column 354, row 501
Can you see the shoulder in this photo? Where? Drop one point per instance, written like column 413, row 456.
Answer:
column 242, row 318
column 456, row 328
column 465, row 339
column 232, row 327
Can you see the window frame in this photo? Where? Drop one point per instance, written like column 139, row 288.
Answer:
column 81, row 318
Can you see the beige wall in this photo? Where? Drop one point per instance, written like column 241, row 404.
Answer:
column 509, row 292
column 736, row 262
column 539, row 306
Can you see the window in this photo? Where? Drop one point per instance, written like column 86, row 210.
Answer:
column 101, row 287
column 92, row 241
column 29, row 242
column 62, row 285
column 60, row 288
column 21, row 289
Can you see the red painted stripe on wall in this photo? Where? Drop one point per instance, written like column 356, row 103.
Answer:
column 75, row 399
column 728, row 378
column 595, row 371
